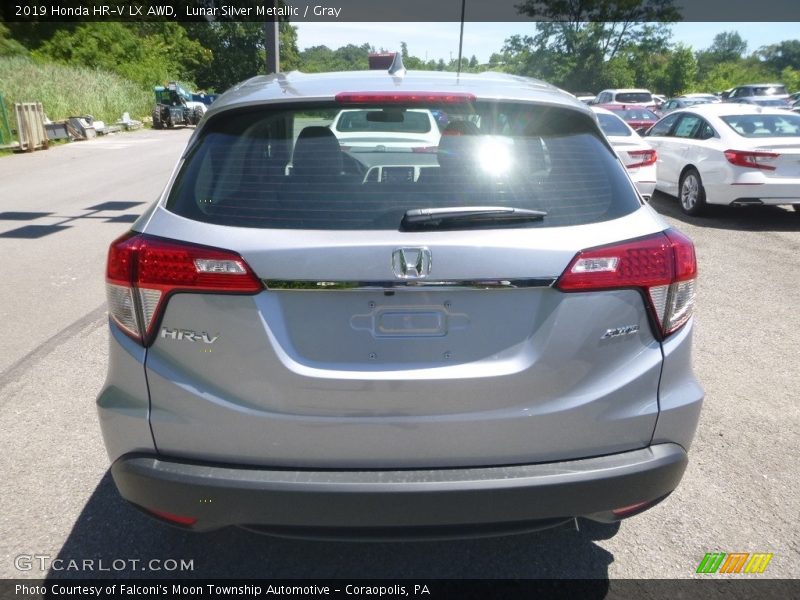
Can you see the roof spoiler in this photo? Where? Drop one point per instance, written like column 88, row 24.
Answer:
column 389, row 61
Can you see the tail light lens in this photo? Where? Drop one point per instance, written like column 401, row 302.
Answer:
column 752, row 160
column 641, row 158
column 143, row 271
column 662, row 266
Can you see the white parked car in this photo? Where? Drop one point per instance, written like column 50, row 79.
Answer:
column 627, row 97
column 636, row 154
column 732, row 154
column 412, row 130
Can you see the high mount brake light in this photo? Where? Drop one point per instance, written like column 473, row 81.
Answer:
column 662, row 266
column 641, row 158
column 143, row 271
column 752, row 160
column 404, row 98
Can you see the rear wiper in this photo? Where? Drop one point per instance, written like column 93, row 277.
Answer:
column 456, row 216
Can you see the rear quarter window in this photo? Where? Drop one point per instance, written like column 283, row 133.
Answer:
column 285, row 169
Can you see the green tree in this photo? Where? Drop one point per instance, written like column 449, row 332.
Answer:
column 237, row 51
column 8, row 45
column 680, row 72
column 147, row 53
column 411, row 62
column 576, row 38
column 728, row 46
column 780, row 56
column 791, row 78
column 728, row 74
column 320, row 59
column 287, row 44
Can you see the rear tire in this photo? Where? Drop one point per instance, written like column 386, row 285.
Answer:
column 197, row 114
column 691, row 193
column 157, row 124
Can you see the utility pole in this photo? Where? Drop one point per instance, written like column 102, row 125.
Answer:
column 271, row 38
column 460, row 36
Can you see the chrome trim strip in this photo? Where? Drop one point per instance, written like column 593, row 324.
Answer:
column 363, row 286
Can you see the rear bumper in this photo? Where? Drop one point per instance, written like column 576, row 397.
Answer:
column 488, row 498
column 755, row 189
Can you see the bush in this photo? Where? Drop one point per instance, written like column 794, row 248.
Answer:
column 70, row 91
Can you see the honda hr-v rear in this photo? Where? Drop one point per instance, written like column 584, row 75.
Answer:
column 307, row 337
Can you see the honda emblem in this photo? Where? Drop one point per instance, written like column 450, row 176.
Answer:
column 411, row 263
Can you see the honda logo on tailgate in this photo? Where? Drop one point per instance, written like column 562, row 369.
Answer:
column 411, row 263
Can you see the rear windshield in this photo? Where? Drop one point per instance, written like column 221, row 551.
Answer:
column 378, row 121
column 754, row 126
column 612, row 125
column 772, row 90
column 633, row 97
column 693, row 101
column 286, row 168
column 636, row 114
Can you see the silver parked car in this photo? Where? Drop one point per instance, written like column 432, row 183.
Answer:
column 770, row 95
column 490, row 337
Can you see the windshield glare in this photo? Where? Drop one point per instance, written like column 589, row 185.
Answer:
column 769, row 91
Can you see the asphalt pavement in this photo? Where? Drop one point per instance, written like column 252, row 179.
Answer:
column 60, row 208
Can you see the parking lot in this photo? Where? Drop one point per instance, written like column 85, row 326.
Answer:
column 59, row 210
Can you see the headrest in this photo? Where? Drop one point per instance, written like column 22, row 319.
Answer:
column 458, row 146
column 317, row 153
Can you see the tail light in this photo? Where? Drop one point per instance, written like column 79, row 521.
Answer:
column 425, row 149
column 641, row 158
column 662, row 266
column 142, row 272
column 752, row 160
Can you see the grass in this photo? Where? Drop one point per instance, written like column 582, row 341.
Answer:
column 66, row 91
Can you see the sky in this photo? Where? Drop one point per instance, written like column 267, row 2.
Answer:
column 440, row 40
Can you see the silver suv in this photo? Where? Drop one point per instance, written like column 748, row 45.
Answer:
column 492, row 336
column 763, row 94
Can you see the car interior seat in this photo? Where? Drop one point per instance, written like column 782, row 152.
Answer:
column 747, row 127
column 317, row 155
column 456, row 154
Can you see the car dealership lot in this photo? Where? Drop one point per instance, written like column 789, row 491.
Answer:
column 60, row 208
